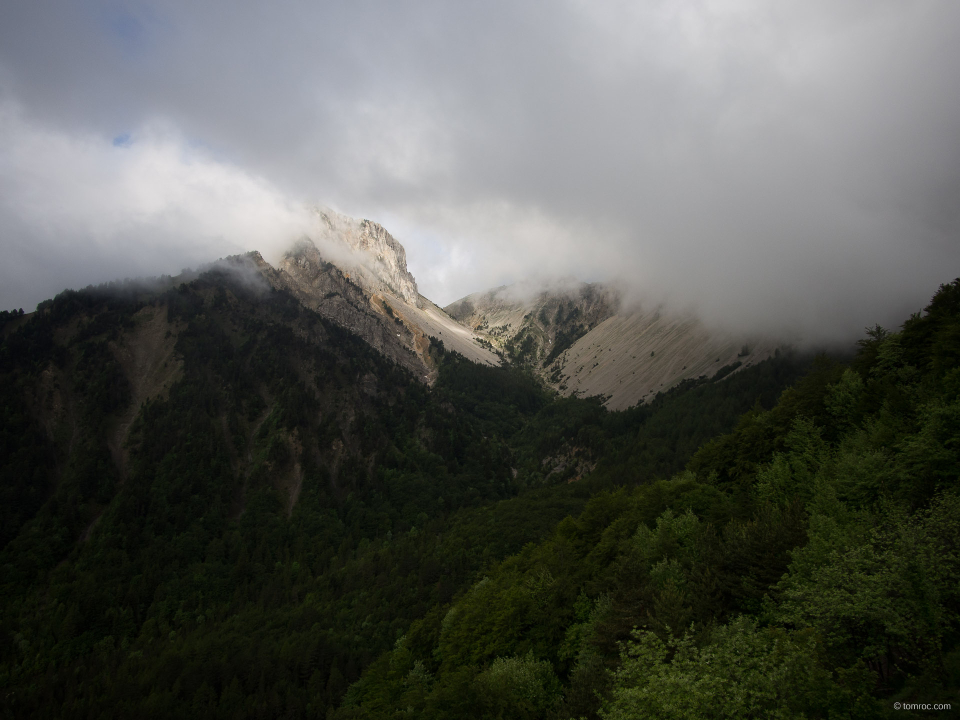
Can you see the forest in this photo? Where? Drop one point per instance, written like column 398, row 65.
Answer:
column 298, row 528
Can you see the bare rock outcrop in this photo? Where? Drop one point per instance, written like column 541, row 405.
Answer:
column 334, row 294
column 534, row 324
column 583, row 340
column 384, row 307
column 377, row 261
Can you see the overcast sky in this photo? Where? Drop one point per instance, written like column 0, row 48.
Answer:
column 775, row 165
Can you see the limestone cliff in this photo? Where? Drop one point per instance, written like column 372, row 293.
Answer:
column 378, row 261
column 355, row 274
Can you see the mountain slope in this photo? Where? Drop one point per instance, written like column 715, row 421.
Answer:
column 583, row 339
column 803, row 566
column 630, row 357
column 218, row 503
column 534, row 326
column 354, row 273
column 149, row 430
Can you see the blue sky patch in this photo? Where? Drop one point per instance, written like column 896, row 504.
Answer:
column 134, row 33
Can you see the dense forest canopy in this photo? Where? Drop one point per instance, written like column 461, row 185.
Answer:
column 293, row 526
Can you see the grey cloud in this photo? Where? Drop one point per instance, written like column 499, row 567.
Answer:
column 773, row 165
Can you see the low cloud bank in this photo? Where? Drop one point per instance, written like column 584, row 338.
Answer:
column 83, row 209
column 787, row 168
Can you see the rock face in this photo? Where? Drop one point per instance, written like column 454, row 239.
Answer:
column 356, row 275
column 330, row 291
column 379, row 261
column 582, row 340
column 533, row 326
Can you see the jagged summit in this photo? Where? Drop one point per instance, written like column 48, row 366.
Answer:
column 354, row 273
column 378, row 261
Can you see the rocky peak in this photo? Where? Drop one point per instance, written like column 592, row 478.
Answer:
column 534, row 323
column 378, row 260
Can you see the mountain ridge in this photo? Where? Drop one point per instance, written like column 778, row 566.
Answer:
column 587, row 339
column 584, row 339
column 219, row 502
column 354, row 273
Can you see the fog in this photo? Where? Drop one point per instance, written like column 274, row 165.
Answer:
column 776, row 167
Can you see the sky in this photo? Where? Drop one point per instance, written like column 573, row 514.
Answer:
column 786, row 167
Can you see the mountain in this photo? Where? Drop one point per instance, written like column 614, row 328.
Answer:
column 580, row 339
column 252, row 492
column 533, row 325
column 803, row 565
column 585, row 340
column 218, row 500
column 380, row 261
column 355, row 274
